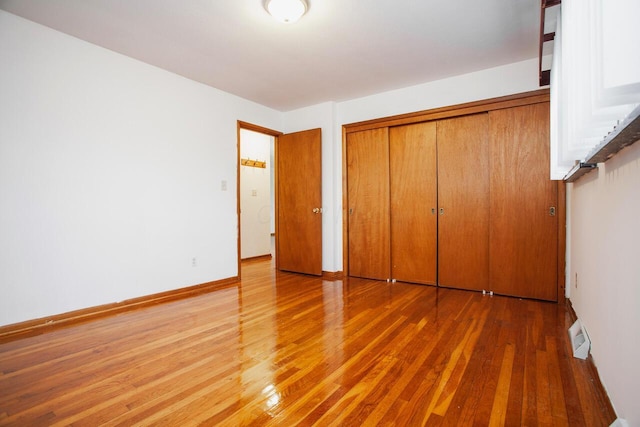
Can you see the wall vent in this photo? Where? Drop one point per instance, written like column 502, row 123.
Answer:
column 580, row 342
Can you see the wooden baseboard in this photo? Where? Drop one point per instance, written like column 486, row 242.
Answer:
column 258, row 258
column 50, row 323
column 332, row 275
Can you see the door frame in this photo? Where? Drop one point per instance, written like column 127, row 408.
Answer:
column 266, row 131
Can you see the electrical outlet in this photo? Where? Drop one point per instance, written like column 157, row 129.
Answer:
column 194, row 262
column 254, row 193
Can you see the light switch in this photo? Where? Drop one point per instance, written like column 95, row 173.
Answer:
column 223, row 185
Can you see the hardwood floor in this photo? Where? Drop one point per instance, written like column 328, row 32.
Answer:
column 286, row 349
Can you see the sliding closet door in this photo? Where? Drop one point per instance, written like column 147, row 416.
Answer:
column 463, row 202
column 524, row 228
column 413, row 183
column 368, row 203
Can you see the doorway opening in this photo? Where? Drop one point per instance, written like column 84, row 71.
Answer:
column 297, row 199
column 256, row 192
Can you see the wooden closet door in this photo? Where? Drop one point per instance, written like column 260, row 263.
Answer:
column 523, row 230
column 413, row 183
column 463, row 202
column 368, row 203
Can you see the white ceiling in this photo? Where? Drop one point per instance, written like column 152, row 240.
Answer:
column 341, row 49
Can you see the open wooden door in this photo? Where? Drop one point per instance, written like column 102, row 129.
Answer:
column 299, row 202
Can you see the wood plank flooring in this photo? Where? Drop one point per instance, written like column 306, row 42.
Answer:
column 285, row 349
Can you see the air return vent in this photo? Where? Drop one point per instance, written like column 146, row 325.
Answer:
column 580, row 342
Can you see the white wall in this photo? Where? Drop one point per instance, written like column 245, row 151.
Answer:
column 255, row 195
column 110, row 175
column 494, row 82
column 605, row 254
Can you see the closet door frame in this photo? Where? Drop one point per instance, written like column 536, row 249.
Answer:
column 527, row 98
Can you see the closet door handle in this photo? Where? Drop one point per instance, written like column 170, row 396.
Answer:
column 433, row 211
column 552, row 211
column 441, row 211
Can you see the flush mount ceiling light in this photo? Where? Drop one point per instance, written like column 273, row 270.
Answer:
column 287, row 11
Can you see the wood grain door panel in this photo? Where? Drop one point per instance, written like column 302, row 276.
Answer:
column 299, row 189
column 413, row 184
column 368, row 203
column 463, row 202
column 523, row 234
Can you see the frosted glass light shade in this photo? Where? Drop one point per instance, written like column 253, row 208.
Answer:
column 287, row 11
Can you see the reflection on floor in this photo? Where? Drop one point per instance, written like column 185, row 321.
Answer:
column 282, row 349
